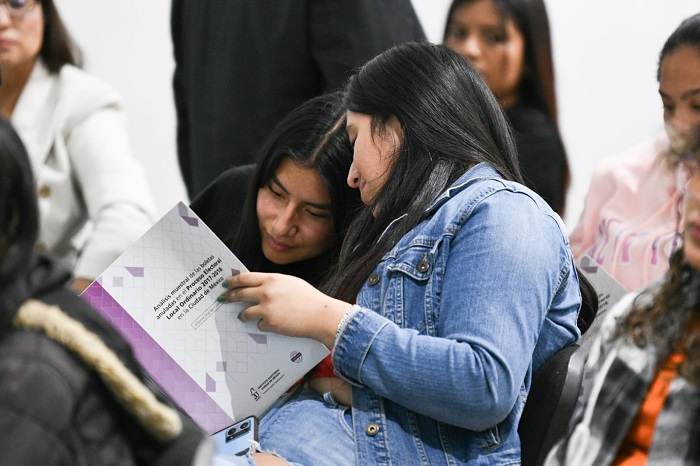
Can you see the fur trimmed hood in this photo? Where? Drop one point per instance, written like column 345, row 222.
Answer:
column 158, row 419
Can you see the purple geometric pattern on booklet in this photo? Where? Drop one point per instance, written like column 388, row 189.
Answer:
column 164, row 370
column 211, row 384
column 136, row 272
column 589, row 265
column 185, row 214
column 258, row 338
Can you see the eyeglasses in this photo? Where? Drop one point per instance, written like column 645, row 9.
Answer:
column 18, row 8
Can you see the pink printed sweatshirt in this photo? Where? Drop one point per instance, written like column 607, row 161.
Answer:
column 632, row 215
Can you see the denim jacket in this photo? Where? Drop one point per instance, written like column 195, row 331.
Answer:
column 452, row 323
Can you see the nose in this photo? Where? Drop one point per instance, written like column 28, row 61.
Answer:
column 5, row 18
column 470, row 48
column 285, row 223
column 353, row 177
column 684, row 121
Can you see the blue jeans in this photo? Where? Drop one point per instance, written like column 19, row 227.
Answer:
column 307, row 430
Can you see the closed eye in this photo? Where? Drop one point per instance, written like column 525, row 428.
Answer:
column 318, row 214
column 275, row 192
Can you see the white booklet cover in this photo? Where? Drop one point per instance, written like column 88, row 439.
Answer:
column 162, row 295
column 609, row 291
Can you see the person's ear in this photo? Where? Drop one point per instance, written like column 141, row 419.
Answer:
column 395, row 131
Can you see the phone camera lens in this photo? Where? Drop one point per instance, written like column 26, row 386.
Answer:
column 244, row 426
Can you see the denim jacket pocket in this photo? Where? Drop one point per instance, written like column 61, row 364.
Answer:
column 411, row 283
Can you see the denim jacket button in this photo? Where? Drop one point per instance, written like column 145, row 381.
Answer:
column 423, row 266
column 373, row 279
column 372, row 429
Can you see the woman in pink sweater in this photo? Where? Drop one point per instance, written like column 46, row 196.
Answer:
column 630, row 223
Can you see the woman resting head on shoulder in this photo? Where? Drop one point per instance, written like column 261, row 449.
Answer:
column 454, row 284
column 645, row 366
column 508, row 41
column 76, row 135
column 297, row 203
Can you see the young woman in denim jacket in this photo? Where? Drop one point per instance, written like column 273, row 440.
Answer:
column 454, row 284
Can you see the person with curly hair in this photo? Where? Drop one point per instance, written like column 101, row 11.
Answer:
column 631, row 217
column 640, row 400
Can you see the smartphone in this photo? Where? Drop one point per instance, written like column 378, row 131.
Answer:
column 235, row 439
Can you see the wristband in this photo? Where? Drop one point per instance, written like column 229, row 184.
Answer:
column 344, row 320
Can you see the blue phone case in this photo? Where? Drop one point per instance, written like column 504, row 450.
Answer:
column 235, row 439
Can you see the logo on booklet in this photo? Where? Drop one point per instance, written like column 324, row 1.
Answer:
column 295, row 356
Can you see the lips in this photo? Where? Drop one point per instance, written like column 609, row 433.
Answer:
column 277, row 246
column 362, row 187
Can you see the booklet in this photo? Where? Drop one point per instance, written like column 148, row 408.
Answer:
column 609, row 290
column 162, row 295
column 609, row 293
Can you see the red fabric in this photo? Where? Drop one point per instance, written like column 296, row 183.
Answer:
column 323, row 369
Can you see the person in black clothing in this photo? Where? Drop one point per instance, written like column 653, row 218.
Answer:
column 288, row 214
column 241, row 66
column 71, row 389
column 508, row 42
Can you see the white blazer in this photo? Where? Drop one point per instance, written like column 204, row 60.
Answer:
column 94, row 198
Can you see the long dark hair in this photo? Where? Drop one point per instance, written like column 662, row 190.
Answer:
column 58, row 47
column 19, row 215
column 312, row 136
column 687, row 33
column 660, row 317
column 537, row 86
column 450, row 122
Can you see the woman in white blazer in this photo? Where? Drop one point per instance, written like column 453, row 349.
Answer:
column 94, row 198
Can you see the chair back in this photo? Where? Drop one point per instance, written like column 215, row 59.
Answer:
column 550, row 404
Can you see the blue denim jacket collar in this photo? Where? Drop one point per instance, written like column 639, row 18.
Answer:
column 477, row 172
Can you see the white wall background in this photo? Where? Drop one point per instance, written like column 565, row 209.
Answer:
column 605, row 57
